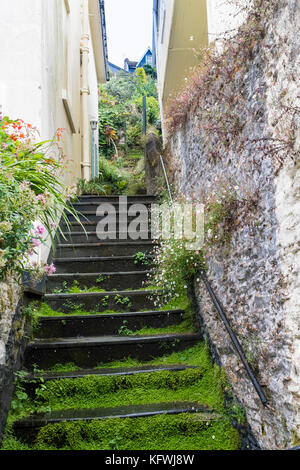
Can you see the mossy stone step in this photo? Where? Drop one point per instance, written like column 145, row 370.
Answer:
column 104, row 248
column 115, row 280
column 99, row 264
column 89, row 352
column 27, row 428
column 123, row 301
column 32, row 380
column 103, row 372
column 109, row 324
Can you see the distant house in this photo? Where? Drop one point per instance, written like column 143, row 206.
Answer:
column 147, row 59
column 114, row 69
column 130, row 66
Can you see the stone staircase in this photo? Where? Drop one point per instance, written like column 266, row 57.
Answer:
column 88, row 334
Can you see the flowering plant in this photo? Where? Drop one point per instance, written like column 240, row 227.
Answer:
column 31, row 189
column 175, row 264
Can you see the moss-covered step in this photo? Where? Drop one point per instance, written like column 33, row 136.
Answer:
column 104, row 248
column 111, row 324
column 27, row 429
column 32, row 379
column 100, row 264
column 115, row 280
column 119, row 301
column 89, row 352
column 181, row 432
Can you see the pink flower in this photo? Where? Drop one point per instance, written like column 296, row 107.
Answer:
column 35, row 242
column 50, row 269
column 41, row 198
column 40, row 230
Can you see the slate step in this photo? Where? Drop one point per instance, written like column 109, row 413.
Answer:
column 138, row 199
column 132, row 301
column 90, row 352
column 104, row 372
column 101, row 225
column 96, row 237
column 99, row 264
column 108, row 324
column 120, row 281
column 26, row 429
column 91, row 215
column 83, row 205
column 104, row 249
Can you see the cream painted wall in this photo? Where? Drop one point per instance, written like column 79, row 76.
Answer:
column 185, row 27
column 182, row 34
column 21, row 56
column 40, row 64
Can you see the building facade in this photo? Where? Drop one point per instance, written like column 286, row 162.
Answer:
column 54, row 56
column 181, row 29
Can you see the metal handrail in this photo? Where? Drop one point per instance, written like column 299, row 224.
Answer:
column 166, row 178
column 224, row 318
column 234, row 339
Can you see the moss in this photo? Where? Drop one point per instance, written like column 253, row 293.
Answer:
column 46, row 311
column 184, row 432
column 194, row 356
column 196, row 385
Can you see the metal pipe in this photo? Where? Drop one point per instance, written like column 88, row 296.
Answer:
column 86, row 164
column 234, row 339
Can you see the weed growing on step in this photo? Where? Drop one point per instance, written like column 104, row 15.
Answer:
column 124, row 330
column 121, row 300
column 141, row 258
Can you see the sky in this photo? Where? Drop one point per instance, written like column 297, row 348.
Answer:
column 129, row 29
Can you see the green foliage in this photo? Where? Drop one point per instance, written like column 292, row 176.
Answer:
column 111, row 180
column 152, row 107
column 120, row 111
column 150, row 71
column 31, row 189
column 141, row 258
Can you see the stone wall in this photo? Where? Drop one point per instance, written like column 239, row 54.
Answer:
column 12, row 326
column 255, row 275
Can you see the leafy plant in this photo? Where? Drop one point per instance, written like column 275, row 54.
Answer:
column 31, row 190
column 125, row 301
column 141, row 258
column 124, row 330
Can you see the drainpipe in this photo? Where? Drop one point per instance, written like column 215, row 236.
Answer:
column 85, row 91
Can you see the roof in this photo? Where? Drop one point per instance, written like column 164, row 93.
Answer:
column 99, row 38
column 148, row 50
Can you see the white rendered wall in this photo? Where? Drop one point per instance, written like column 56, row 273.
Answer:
column 20, row 58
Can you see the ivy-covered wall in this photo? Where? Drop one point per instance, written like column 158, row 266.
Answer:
column 236, row 126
